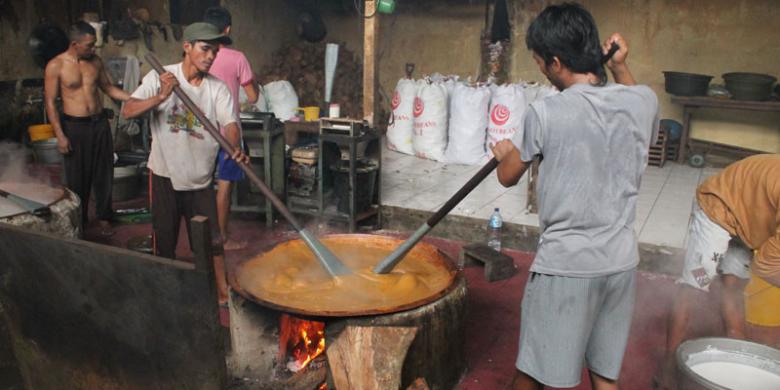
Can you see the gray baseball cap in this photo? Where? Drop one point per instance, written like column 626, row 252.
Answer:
column 202, row 31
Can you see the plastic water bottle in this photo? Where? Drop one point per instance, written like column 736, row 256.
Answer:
column 494, row 230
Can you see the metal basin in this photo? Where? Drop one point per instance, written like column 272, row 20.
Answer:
column 289, row 279
column 756, row 362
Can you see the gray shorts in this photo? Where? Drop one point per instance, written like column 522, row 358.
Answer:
column 568, row 322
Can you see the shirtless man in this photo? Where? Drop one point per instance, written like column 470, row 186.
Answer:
column 83, row 132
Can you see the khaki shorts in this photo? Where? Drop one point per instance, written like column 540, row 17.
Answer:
column 570, row 322
column 711, row 250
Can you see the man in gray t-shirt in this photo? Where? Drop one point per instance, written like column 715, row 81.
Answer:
column 592, row 140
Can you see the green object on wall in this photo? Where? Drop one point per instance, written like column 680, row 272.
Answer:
column 385, row 6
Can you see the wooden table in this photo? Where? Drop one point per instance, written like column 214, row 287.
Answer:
column 691, row 103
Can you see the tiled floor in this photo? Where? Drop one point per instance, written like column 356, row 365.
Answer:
column 665, row 198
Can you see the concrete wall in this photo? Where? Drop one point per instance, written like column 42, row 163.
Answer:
column 17, row 20
column 437, row 38
column 712, row 37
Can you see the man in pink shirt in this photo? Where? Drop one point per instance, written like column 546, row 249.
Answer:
column 232, row 67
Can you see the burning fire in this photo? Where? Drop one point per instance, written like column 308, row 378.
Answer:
column 302, row 341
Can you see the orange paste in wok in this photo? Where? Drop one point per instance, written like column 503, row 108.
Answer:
column 290, row 276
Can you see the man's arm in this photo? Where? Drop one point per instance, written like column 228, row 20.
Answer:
column 134, row 108
column 51, row 89
column 104, row 80
column 233, row 136
column 617, row 64
column 252, row 92
column 510, row 167
column 247, row 79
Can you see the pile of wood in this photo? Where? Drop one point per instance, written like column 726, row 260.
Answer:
column 303, row 65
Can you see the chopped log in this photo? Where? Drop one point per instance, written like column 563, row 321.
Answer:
column 303, row 65
column 369, row 358
column 436, row 353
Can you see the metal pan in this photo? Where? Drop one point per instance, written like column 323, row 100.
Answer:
column 423, row 252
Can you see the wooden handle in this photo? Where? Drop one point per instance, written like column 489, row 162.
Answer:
column 465, row 190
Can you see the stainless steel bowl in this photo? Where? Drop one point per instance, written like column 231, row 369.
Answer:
column 725, row 350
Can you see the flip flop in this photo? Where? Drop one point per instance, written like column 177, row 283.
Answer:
column 231, row 245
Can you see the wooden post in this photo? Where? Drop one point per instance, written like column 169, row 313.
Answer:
column 686, row 134
column 201, row 245
column 370, row 32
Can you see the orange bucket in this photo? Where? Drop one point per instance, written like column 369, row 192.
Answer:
column 310, row 113
column 40, row 132
column 762, row 300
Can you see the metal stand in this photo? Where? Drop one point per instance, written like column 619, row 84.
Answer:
column 264, row 136
column 373, row 152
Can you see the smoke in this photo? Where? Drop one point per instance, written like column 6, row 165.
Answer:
column 14, row 165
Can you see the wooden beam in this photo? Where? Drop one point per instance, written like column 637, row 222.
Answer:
column 370, row 33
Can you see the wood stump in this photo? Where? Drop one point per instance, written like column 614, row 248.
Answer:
column 436, row 353
column 369, row 358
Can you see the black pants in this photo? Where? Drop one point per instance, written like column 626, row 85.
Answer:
column 169, row 205
column 90, row 164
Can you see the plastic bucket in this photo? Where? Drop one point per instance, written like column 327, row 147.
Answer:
column 310, row 113
column 762, row 302
column 46, row 151
column 40, row 132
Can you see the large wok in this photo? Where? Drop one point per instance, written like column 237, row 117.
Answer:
column 245, row 283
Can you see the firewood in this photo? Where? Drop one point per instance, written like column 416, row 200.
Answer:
column 369, row 358
column 303, row 65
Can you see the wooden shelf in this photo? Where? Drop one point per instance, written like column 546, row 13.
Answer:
column 701, row 101
column 691, row 103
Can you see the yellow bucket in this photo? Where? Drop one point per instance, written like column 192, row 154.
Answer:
column 762, row 300
column 40, row 132
column 310, row 113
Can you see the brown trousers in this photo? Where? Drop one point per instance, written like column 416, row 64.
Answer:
column 169, row 205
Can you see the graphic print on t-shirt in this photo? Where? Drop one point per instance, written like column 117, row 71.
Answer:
column 182, row 119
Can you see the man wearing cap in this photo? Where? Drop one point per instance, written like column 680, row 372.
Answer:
column 183, row 153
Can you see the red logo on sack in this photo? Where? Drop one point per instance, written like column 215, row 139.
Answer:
column 499, row 115
column 419, row 107
column 396, row 100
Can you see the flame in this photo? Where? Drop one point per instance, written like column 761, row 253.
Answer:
column 303, row 340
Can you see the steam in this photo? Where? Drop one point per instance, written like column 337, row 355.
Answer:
column 14, row 167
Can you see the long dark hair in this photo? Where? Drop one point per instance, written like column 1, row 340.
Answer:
column 568, row 31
